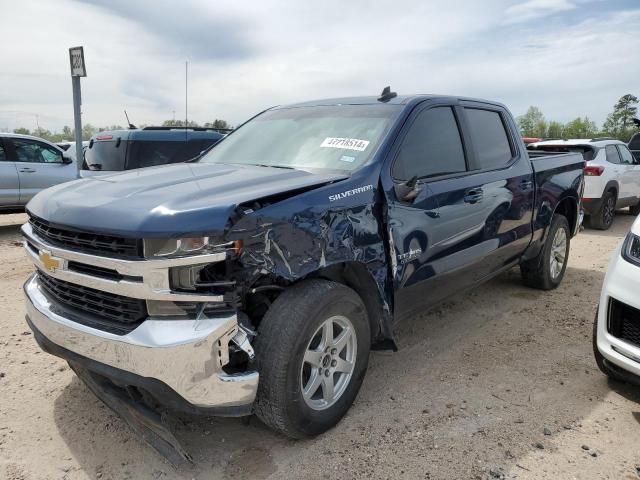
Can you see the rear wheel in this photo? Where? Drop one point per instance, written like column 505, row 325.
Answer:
column 603, row 218
column 635, row 209
column 312, row 351
column 546, row 270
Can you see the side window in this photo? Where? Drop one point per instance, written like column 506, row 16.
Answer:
column 489, row 137
column 612, row 154
column 3, row 155
column 35, row 152
column 626, row 156
column 431, row 147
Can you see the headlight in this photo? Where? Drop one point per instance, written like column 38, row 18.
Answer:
column 631, row 249
column 183, row 247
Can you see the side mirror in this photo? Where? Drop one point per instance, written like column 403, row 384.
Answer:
column 66, row 160
column 408, row 191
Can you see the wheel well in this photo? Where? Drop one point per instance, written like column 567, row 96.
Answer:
column 569, row 208
column 613, row 188
column 356, row 276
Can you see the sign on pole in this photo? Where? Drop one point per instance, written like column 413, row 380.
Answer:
column 76, row 57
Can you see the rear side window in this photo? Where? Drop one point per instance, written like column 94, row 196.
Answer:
column 625, row 154
column 489, row 138
column 431, row 147
column 612, row 154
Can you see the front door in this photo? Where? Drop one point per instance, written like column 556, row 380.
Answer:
column 39, row 166
column 472, row 213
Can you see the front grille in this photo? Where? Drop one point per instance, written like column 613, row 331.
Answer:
column 624, row 322
column 92, row 243
column 106, row 311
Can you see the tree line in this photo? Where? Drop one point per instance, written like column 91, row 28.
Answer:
column 618, row 124
column 88, row 130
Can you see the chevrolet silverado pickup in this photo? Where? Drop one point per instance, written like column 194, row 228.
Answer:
column 258, row 277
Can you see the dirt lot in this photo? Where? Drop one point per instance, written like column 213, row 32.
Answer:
column 469, row 395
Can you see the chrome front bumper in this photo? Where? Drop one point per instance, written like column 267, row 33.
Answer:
column 185, row 355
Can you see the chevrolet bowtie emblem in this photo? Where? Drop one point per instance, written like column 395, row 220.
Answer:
column 49, row 262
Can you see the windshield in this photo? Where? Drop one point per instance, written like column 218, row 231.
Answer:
column 341, row 137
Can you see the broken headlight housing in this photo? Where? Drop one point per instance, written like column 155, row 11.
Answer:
column 184, row 247
column 631, row 249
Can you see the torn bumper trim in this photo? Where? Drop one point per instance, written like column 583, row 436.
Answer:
column 178, row 361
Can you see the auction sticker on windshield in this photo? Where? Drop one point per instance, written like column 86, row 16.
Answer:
column 348, row 143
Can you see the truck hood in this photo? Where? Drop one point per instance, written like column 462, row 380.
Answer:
column 187, row 199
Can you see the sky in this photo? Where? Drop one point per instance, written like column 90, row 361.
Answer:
column 568, row 57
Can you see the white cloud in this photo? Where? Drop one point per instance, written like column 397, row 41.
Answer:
column 282, row 52
column 535, row 9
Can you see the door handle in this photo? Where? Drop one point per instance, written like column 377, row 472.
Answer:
column 526, row 184
column 473, row 196
column 27, row 170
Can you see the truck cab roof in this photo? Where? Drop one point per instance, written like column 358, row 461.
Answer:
column 397, row 100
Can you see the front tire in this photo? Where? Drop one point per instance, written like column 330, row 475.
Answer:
column 312, row 352
column 546, row 270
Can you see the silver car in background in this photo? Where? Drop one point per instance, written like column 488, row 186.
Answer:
column 27, row 165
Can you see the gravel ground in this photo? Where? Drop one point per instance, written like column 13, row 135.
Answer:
column 498, row 383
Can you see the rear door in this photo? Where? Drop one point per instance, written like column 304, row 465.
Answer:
column 9, row 183
column 620, row 172
column 632, row 173
column 472, row 214
column 39, row 166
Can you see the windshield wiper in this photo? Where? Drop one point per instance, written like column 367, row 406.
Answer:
column 272, row 166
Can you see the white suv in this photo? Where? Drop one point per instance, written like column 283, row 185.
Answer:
column 612, row 177
column 616, row 332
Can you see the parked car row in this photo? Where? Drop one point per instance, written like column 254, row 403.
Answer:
column 30, row 164
column 612, row 177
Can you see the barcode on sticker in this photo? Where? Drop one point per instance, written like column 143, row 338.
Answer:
column 348, row 143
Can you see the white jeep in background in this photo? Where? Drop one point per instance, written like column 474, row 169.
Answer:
column 612, row 177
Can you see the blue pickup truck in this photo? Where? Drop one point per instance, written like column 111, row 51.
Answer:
column 257, row 278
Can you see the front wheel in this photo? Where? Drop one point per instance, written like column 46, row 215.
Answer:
column 546, row 270
column 312, row 351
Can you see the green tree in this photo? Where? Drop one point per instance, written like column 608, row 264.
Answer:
column 67, row 133
column 580, row 128
column 87, row 131
column 554, row 129
column 22, row 131
column 179, row 123
column 219, row 123
column 619, row 123
column 532, row 123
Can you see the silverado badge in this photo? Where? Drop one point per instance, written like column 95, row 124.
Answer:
column 49, row 262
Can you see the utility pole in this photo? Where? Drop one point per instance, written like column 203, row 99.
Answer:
column 76, row 58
